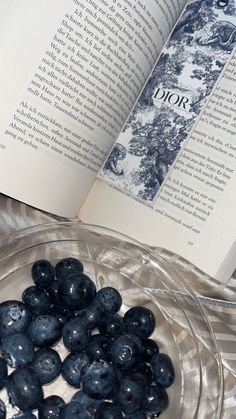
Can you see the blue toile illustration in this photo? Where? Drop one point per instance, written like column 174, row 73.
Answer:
column 176, row 91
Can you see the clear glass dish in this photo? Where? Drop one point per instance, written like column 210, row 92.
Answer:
column 183, row 330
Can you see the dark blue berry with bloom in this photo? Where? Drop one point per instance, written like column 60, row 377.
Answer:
column 3, row 372
column 131, row 392
column 139, row 321
column 98, row 347
column 76, row 335
column 125, row 351
column 44, row 330
column 98, row 379
column 156, row 401
column 77, row 291
column 50, row 407
column 24, row 415
column 24, row 389
column 150, row 348
column 110, row 299
column 72, row 366
column 112, row 325
column 90, row 405
column 43, row 273
column 68, row 266
column 46, row 364
column 162, row 370
column 17, row 349
column 3, row 412
column 73, row 410
column 92, row 314
column 108, row 410
column 36, row 300
column 14, row 317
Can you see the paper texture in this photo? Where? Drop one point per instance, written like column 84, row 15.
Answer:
column 67, row 87
column 180, row 206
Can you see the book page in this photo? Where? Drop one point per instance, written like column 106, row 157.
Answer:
column 71, row 72
column 192, row 212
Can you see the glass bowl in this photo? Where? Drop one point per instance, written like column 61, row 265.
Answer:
column 183, row 330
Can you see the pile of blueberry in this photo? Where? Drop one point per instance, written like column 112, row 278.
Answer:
column 113, row 363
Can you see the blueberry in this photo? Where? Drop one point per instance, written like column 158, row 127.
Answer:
column 150, row 348
column 3, row 413
column 72, row 366
column 46, row 364
column 136, row 415
column 112, row 325
column 42, row 273
column 115, row 366
column 73, row 410
column 139, row 321
column 162, row 370
column 144, row 369
column 3, row 372
column 108, row 410
column 67, row 266
column 36, row 300
column 17, row 349
column 90, row 405
column 92, row 314
column 131, row 392
column 61, row 313
column 125, row 351
column 156, row 401
column 24, row 415
column 110, row 299
column 14, row 317
column 24, row 389
column 98, row 347
column 53, row 291
column 77, row 291
column 50, row 407
column 98, row 379
column 75, row 334
column 44, row 330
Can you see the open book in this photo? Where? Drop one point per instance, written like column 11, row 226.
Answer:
column 122, row 112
